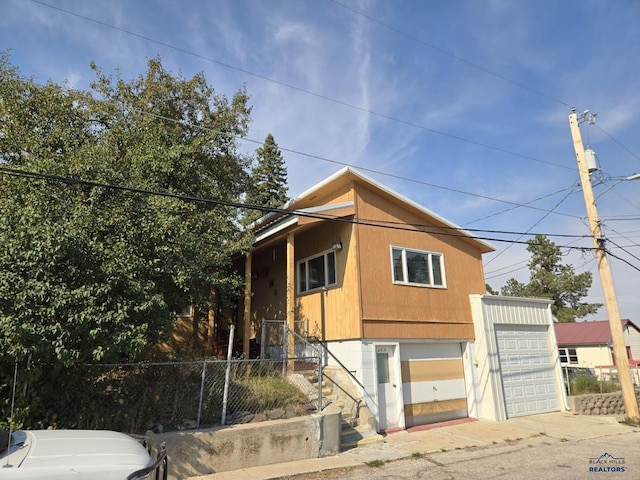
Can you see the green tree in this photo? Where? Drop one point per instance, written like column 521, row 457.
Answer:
column 268, row 180
column 490, row 291
column 549, row 278
column 90, row 273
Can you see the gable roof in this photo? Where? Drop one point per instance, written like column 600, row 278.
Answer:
column 304, row 203
column 586, row 333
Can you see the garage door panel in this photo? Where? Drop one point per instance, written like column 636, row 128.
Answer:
column 527, row 373
column 432, row 383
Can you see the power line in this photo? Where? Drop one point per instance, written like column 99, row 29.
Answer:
column 370, row 170
column 452, row 55
column 635, row 206
column 84, row 95
column 302, row 90
column 618, row 142
column 623, row 260
column 623, row 249
column 623, row 218
column 494, row 273
column 535, row 224
column 489, row 277
column 522, row 205
column 238, row 205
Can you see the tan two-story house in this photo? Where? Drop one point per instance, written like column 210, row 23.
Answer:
column 384, row 281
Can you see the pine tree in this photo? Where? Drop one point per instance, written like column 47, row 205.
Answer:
column 550, row 279
column 269, row 180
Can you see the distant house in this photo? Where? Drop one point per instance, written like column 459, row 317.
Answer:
column 588, row 344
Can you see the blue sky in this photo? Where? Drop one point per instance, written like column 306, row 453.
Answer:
column 463, row 104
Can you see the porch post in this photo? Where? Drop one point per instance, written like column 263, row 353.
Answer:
column 290, row 301
column 246, row 330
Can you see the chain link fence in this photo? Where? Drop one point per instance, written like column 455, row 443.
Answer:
column 168, row 396
column 600, row 379
column 186, row 395
column 275, row 334
column 609, row 373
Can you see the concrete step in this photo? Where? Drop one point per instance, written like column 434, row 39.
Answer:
column 352, row 437
column 349, row 422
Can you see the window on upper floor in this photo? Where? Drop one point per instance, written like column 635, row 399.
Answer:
column 568, row 355
column 417, row 267
column 317, row 272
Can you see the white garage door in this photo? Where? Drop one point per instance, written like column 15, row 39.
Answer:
column 527, row 373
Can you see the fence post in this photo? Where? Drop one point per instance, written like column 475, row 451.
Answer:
column 284, row 349
column 226, row 375
column 319, row 384
column 204, row 372
column 263, row 338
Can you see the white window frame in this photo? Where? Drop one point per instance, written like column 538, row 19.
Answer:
column 326, row 254
column 564, row 352
column 405, row 273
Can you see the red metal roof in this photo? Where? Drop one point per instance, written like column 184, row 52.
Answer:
column 586, row 333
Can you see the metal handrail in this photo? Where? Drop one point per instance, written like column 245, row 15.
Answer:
column 326, row 349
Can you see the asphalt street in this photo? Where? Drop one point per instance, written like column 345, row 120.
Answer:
column 537, row 457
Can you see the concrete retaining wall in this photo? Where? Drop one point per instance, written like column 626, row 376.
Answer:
column 221, row 449
column 599, row 403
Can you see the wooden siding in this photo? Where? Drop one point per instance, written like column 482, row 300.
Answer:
column 417, row 329
column 383, row 301
column 333, row 313
column 269, row 284
column 430, row 408
column 365, row 303
column 429, row 371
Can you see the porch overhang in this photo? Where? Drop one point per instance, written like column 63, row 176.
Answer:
column 301, row 218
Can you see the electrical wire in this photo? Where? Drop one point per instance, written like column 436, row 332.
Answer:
column 635, row 206
column 371, row 170
column 522, row 205
column 452, row 55
column 623, row 249
column 303, row 90
column 490, row 277
column 495, row 274
column 84, row 95
column 535, row 224
column 622, row 260
column 224, row 203
column 618, row 142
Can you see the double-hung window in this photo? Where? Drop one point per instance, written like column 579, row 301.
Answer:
column 317, row 271
column 568, row 355
column 417, row 267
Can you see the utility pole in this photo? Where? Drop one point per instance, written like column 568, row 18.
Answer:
column 617, row 336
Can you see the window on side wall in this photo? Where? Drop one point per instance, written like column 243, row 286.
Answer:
column 317, row 272
column 417, row 267
column 568, row 355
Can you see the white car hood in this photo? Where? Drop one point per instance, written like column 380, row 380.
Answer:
column 73, row 454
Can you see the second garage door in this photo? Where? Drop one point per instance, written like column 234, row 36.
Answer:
column 527, row 372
